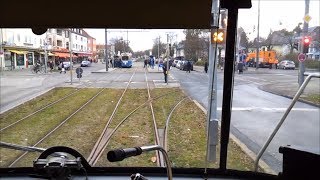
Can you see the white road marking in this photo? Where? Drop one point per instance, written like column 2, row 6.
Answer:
column 270, row 109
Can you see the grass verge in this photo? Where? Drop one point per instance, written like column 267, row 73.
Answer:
column 29, row 107
column 315, row 98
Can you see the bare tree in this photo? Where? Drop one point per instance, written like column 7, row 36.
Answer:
column 121, row 45
column 162, row 48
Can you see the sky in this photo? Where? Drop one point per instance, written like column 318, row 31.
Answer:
column 274, row 15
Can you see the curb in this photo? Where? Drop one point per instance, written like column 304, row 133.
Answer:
column 290, row 97
column 266, row 168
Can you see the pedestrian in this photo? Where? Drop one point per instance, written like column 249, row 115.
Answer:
column 62, row 68
column 145, row 63
column 165, row 72
column 206, row 67
column 51, row 66
column 188, row 66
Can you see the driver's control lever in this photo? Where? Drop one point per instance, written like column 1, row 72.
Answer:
column 120, row 154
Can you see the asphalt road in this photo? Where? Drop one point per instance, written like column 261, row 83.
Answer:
column 255, row 112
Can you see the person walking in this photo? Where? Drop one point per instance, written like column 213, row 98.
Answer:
column 165, row 72
column 188, row 67
column 145, row 63
column 206, row 67
column 51, row 66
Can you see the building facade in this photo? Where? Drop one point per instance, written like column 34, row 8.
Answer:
column 21, row 48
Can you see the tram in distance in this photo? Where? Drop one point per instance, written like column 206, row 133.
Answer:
column 126, row 60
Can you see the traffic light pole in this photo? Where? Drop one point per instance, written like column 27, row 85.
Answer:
column 106, row 50
column 305, row 31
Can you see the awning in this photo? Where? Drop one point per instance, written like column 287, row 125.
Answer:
column 63, row 55
column 18, row 52
column 49, row 53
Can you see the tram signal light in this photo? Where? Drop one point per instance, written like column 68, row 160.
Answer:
column 296, row 46
column 218, row 36
column 306, row 42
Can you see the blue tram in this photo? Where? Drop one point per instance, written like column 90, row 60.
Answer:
column 126, row 60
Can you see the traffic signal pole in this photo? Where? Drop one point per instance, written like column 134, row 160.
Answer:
column 304, row 33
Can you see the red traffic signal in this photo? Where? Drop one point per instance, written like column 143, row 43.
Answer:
column 306, row 42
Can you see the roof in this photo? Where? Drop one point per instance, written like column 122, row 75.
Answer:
column 86, row 34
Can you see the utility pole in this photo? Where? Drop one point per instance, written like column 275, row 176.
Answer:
column 70, row 49
column 46, row 54
column 304, row 33
column 158, row 48
column 1, row 51
column 212, row 116
column 168, row 55
column 106, row 50
column 258, row 37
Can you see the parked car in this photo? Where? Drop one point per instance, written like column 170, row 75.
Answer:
column 85, row 63
column 66, row 65
column 286, row 64
column 174, row 64
column 178, row 65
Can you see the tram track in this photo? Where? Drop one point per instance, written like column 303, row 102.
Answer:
column 103, row 139
column 58, row 126
column 39, row 110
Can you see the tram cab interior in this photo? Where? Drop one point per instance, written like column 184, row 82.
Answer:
column 144, row 14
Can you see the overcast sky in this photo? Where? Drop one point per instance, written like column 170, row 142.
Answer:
column 274, row 15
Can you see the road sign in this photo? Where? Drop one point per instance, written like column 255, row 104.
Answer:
column 307, row 18
column 79, row 70
column 301, row 57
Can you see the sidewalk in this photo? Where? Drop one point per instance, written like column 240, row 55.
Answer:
column 289, row 90
column 104, row 70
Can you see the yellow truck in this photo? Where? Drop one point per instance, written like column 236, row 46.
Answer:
column 266, row 59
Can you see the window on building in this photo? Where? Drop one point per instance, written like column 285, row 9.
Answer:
column 81, row 47
column 81, row 39
column 67, row 45
column 59, row 43
column 67, row 34
column 50, row 41
column 59, row 32
column 76, row 37
column 18, row 37
column 26, row 39
column 73, row 46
